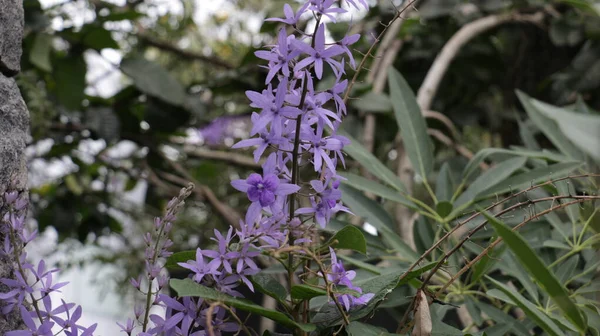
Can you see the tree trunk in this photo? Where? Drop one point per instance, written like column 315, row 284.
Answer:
column 14, row 124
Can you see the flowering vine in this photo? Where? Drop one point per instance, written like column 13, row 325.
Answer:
column 295, row 125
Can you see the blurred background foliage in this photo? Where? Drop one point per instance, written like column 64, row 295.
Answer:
column 130, row 100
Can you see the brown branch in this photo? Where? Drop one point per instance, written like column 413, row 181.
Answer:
column 475, row 214
column 237, row 159
column 480, row 226
column 462, row 150
column 190, row 55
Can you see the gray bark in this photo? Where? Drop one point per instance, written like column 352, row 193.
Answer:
column 14, row 124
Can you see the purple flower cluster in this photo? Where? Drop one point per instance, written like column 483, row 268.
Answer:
column 296, row 124
column 30, row 286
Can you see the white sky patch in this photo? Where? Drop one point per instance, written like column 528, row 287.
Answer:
column 370, row 229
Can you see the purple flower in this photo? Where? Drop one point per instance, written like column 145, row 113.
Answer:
column 279, row 56
column 290, row 17
column 199, row 267
column 244, row 258
column 45, row 329
column 362, row 2
column 338, row 275
column 261, row 191
column 272, row 108
column 222, row 256
column 318, row 54
column 347, row 41
column 323, row 7
column 264, row 140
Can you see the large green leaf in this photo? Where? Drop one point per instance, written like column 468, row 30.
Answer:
column 536, row 268
column 375, row 215
column 267, row 284
column 371, row 163
column 375, row 188
column 530, row 309
column 490, row 178
column 529, row 178
column 550, row 128
column 306, row 292
column 412, row 125
column 350, row 238
column 183, row 256
column 151, row 78
column 187, row 287
column 582, row 129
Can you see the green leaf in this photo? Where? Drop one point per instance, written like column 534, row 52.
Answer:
column 177, row 257
column 411, row 123
column 40, row 52
column 407, row 277
column 371, row 163
column 351, row 238
column 444, row 187
column 500, row 316
column 375, row 188
column 69, row 74
column 306, row 292
column 99, row 38
column 356, row 328
column 490, row 178
column 529, row 178
column 270, row 286
column 372, row 102
column 187, row 287
column 536, row 268
column 151, row 78
column 443, row 208
column 583, row 130
column 550, row 129
column 485, row 264
column 530, row 309
column 375, row 215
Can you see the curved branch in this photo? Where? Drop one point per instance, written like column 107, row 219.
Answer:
column 440, row 65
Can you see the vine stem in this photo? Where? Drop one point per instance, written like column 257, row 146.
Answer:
column 295, row 172
column 149, row 294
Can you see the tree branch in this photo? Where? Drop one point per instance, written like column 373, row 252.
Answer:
column 440, row 65
column 190, row 55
